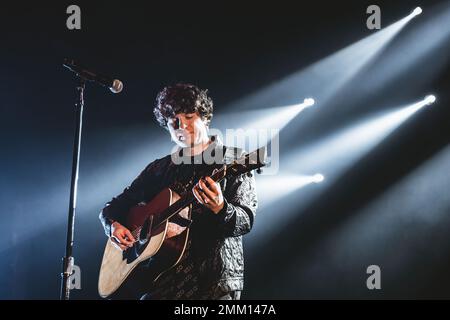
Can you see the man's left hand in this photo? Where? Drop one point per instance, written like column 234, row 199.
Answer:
column 208, row 193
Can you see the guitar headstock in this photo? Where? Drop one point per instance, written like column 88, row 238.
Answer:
column 251, row 161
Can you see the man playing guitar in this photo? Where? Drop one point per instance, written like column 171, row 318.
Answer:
column 212, row 266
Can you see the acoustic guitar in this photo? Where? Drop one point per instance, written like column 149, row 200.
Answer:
column 161, row 230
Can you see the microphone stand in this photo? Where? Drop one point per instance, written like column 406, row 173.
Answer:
column 68, row 260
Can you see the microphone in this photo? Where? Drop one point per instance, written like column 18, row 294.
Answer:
column 113, row 84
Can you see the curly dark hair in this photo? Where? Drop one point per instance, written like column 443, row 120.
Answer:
column 182, row 98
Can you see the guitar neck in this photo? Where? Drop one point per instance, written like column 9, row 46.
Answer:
column 187, row 199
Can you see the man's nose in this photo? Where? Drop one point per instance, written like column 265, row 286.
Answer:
column 182, row 124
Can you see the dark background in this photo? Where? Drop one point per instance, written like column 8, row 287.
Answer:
column 232, row 49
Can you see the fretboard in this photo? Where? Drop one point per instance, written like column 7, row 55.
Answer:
column 187, row 199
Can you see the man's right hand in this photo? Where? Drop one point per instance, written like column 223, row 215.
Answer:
column 121, row 237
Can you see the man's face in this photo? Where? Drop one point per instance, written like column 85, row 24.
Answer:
column 187, row 129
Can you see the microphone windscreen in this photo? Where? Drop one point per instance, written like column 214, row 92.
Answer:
column 117, row 86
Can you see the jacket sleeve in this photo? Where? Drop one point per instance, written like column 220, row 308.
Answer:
column 240, row 204
column 143, row 188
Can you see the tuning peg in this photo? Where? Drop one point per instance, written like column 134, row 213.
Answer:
column 259, row 171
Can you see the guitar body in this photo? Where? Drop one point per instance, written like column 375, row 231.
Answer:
column 130, row 273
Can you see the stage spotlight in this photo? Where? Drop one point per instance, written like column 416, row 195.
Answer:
column 430, row 99
column 272, row 194
column 337, row 153
column 277, row 117
column 274, row 188
column 262, row 119
column 317, row 178
column 308, row 102
column 252, row 129
column 417, row 11
column 325, row 78
column 427, row 43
